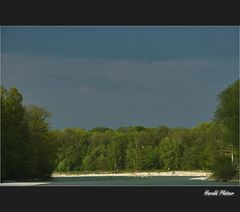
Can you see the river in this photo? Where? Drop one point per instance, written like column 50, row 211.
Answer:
column 125, row 181
column 135, row 181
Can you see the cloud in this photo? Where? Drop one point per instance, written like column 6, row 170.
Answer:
column 93, row 92
column 169, row 77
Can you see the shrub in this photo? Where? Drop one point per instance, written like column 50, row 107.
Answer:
column 223, row 169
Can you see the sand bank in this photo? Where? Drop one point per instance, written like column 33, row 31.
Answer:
column 139, row 174
column 23, row 183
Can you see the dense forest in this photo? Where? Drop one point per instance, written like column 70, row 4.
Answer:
column 30, row 149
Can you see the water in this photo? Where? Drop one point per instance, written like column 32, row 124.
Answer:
column 134, row 181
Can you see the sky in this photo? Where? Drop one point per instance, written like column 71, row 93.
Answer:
column 121, row 76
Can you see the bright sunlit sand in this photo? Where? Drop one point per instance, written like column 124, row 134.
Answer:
column 138, row 174
column 23, row 183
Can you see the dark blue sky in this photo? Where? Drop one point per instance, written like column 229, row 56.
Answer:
column 121, row 76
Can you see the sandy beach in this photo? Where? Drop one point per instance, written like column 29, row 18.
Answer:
column 23, row 183
column 139, row 174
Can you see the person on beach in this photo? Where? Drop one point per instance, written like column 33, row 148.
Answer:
column 173, row 172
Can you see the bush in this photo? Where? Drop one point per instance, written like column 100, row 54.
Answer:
column 63, row 166
column 223, row 169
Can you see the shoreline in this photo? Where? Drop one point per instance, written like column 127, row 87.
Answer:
column 138, row 174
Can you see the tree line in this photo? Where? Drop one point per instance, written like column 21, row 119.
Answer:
column 30, row 149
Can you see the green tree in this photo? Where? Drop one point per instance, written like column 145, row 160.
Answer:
column 41, row 140
column 166, row 153
column 15, row 154
column 132, row 155
column 95, row 159
column 115, row 155
column 150, row 158
column 27, row 151
column 227, row 114
column 72, row 148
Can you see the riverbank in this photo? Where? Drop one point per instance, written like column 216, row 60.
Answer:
column 137, row 174
column 155, row 178
column 23, row 183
